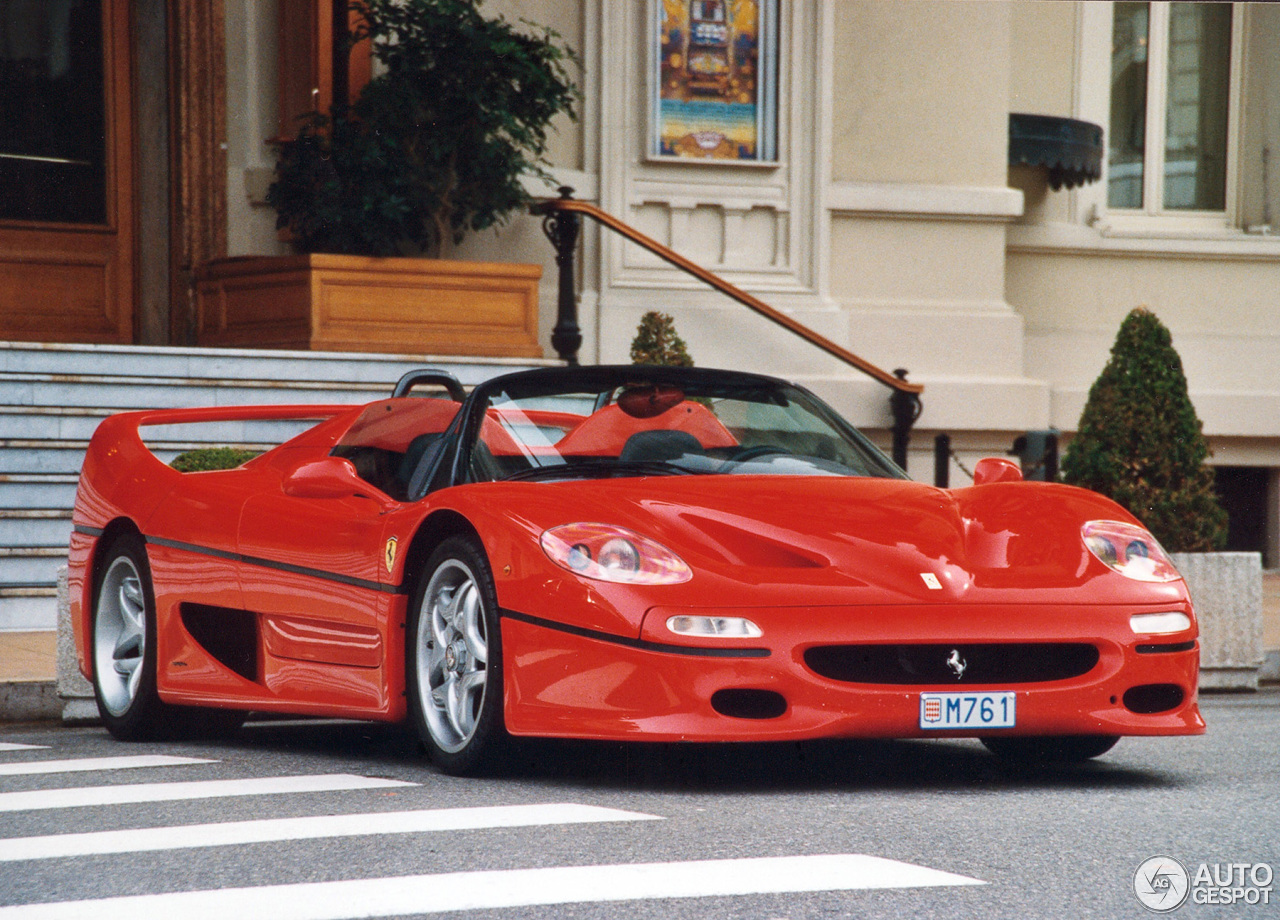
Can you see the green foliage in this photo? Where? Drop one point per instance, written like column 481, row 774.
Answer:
column 656, row 342
column 1140, row 442
column 203, row 459
column 437, row 142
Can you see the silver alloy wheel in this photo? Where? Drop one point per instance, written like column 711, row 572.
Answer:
column 452, row 655
column 120, row 636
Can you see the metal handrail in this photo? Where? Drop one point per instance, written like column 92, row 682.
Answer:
column 561, row 223
column 567, row 204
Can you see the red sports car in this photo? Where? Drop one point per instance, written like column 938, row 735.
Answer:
column 617, row 553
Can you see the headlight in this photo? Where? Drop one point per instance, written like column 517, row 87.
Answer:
column 720, row 627
column 1129, row 550
column 1159, row 624
column 609, row 553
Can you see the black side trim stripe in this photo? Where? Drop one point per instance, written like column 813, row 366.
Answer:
column 89, row 531
column 1154, row 649
column 279, row 566
column 642, row 644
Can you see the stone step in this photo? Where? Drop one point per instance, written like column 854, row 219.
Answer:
column 123, row 393
column 37, row 423
column 50, row 422
column 48, row 490
column 66, row 457
column 35, row 527
column 242, row 363
column 30, row 566
column 28, row 608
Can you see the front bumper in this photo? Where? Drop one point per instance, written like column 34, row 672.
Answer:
column 562, row 682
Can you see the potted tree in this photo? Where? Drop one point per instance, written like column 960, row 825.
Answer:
column 436, row 145
column 657, row 342
column 1140, row 442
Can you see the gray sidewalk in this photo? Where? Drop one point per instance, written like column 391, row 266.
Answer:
column 29, row 670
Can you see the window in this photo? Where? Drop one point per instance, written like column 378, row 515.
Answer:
column 1171, row 108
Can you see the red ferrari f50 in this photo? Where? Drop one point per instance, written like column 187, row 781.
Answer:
column 617, row 553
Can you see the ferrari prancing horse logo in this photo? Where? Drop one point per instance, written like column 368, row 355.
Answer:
column 389, row 555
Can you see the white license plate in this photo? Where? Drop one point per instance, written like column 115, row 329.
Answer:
column 968, row 710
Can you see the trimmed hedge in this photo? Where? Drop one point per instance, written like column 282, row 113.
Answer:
column 1141, row 443
column 203, row 459
column 656, row 342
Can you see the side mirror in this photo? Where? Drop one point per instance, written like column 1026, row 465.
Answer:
column 332, row 477
column 996, row 469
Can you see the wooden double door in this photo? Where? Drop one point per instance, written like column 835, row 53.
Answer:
column 67, row 174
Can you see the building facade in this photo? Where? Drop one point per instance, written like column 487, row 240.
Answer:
column 874, row 202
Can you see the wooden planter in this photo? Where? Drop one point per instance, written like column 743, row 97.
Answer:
column 356, row 303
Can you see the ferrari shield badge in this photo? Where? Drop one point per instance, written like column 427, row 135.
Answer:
column 389, row 554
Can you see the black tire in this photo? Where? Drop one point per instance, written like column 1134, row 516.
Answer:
column 1051, row 749
column 123, row 645
column 453, row 661
column 124, row 656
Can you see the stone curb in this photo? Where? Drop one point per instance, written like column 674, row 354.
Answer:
column 29, row 701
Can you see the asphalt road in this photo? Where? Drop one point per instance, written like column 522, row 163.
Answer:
column 951, row 832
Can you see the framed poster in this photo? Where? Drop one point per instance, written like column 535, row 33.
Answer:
column 714, row 81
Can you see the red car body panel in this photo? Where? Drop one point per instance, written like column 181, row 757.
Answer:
column 814, row 561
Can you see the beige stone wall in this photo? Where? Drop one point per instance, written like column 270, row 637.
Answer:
column 920, row 92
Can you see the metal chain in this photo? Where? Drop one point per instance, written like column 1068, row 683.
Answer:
column 955, row 458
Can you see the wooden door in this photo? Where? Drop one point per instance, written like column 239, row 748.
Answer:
column 67, row 260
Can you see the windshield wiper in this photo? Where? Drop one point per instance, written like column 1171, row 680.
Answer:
column 602, row 469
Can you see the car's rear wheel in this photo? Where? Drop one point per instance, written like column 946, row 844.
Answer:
column 1051, row 749
column 454, row 661
column 124, row 656
column 124, row 644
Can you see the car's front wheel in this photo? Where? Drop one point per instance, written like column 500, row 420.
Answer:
column 454, row 660
column 1051, row 749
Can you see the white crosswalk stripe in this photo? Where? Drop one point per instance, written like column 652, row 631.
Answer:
column 171, row 792
column 398, row 895
column 423, row 894
column 88, row 764
column 241, row 832
column 15, row 746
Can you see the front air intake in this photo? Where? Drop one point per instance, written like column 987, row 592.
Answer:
column 744, row 703
column 963, row 663
column 1148, row 699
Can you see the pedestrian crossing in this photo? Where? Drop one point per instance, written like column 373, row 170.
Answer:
column 342, row 898
column 88, row 764
column 133, row 794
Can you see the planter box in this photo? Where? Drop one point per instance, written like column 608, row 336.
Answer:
column 357, row 303
column 1226, row 589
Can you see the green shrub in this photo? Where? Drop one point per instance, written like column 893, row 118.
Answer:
column 203, row 459
column 437, row 142
column 656, row 342
column 1141, row 443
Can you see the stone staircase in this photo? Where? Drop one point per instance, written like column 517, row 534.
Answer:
column 52, row 397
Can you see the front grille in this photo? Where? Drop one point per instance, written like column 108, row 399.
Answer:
column 979, row 663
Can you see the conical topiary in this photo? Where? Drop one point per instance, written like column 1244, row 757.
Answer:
column 1140, row 442
column 656, row 342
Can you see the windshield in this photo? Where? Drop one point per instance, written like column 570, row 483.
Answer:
column 610, row 422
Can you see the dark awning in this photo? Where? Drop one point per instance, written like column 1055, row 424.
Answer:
column 1070, row 149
